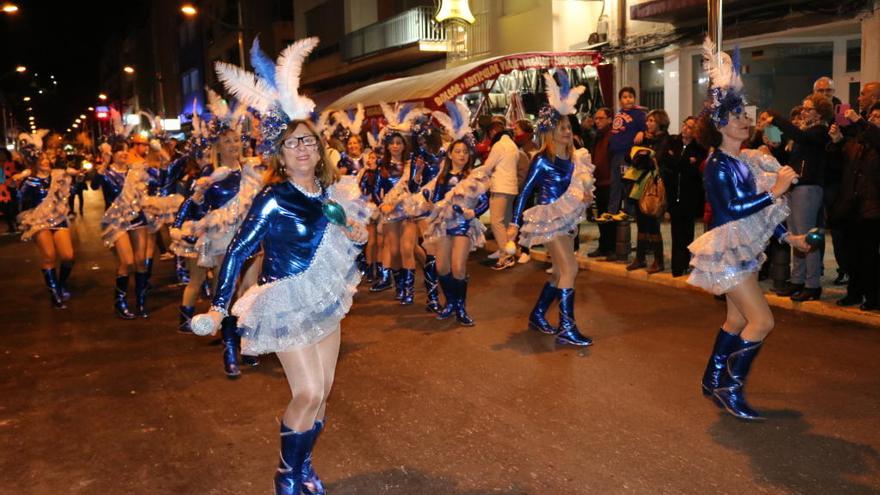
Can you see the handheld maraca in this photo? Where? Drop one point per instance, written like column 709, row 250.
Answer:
column 335, row 214
column 815, row 237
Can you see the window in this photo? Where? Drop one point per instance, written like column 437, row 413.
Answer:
column 191, row 80
column 854, row 55
column 651, row 83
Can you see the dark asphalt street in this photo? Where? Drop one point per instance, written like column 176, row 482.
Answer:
column 90, row 404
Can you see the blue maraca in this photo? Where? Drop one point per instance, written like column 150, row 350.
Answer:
column 335, row 214
column 815, row 237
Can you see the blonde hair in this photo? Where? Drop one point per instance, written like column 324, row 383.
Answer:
column 548, row 146
column 325, row 172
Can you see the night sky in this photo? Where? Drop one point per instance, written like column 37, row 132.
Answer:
column 64, row 39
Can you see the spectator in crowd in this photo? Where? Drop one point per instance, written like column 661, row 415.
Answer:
column 8, row 196
column 649, row 238
column 524, row 137
column 627, row 129
column 869, row 95
column 503, row 189
column 496, row 126
column 602, row 173
column 588, row 130
column 684, row 191
column 857, row 209
column 825, row 87
column 808, row 160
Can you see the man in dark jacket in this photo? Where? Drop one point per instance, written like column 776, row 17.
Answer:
column 602, row 161
column 684, row 191
column 857, row 209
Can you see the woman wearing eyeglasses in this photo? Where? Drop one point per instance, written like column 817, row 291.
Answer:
column 305, row 288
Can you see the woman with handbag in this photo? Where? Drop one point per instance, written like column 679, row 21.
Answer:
column 649, row 191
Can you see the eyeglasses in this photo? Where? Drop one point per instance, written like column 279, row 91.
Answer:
column 309, row 141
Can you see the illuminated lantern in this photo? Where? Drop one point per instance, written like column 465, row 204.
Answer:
column 455, row 10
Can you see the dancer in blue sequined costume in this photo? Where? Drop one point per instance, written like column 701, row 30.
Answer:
column 561, row 180
column 746, row 192
column 309, row 275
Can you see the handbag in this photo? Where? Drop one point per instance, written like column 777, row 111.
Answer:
column 653, row 200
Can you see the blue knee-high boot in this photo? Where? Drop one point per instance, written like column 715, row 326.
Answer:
column 731, row 387
column 54, row 292
column 461, row 314
column 383, row 279
column 186, row 315
column 295, row 448
column 431, row 284
column 537, row 318
column 148, row 264
column 397, row 275
column 408, row 280
column 120, row 303
column 231, row 345
column 141, row 283
column 724, row 345
column 312, row 484
column 447, row 285
column 63, row 275
column 180, row 270
column 568, row 330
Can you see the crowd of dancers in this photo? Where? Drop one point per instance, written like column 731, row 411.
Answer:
column 288, row 233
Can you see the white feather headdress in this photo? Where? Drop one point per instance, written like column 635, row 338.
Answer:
column 350, row 122
column 456, row 120
column 726, row 87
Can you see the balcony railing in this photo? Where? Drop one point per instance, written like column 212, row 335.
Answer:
column 412, row 26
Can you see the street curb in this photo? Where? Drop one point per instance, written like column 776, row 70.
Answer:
column 822, row 308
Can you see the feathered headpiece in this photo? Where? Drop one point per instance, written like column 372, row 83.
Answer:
column 400, row 118
column 198, row 140
column 156, row 126
column 31, row 145
column 222, row 117
column 121, row 130
column 374, row 137
column 725, row 84
column 274, row 90
column 456, row 121
column 322, row 123
column 349, row 122
column 561, row 100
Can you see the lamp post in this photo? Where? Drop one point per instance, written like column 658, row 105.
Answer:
column 9, row 8
column 133, row 73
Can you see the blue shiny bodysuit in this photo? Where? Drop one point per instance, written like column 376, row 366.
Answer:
column 732, row 192
column 367, row 186
column 430, row 169
column 352, row 165
column 32, row 191
column 288, row 223
column 462, row 226
column 110, row 183
column 172, row 174
column 548, row 179
column 218, row 193
column 384, row 184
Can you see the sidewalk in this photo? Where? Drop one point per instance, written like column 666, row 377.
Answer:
column 824, row 307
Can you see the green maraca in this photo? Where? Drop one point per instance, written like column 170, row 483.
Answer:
column 335, row 214
column 815, row 237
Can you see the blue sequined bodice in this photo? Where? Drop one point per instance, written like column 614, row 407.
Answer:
column 218, row 193
column 33, row 191
column 547, row 179
column 394, row 172
column 731, row 189
column 111, row 183
column 353, row 165
column 288, row 223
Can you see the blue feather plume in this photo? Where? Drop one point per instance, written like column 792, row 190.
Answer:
column 351, row 114
column 564, row 84
column 263, row 65
column 735, row 61
column 457, row 118
column 403, row 111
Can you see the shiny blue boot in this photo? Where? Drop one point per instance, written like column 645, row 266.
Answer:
column 141, row 284
column 448, row 288
column 180, row 270
column 537, row 318
column 383, row 279
column 186, row 314
column 120, row 302
column 52, row 285
column 408, row 280
column 724, row 344
column 461, row 314
column 568, row 330
column 148, row 264
column 432, row 285
column 731, row 387
column 231, row 345
column 397, row 275
column 312, row 484
column 295, row 448
column 63, row 275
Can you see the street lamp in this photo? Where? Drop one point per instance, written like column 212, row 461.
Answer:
column 20, row 69
column 102, row 97
column 91, row 109
column 128, row 69
column 82, row 116
column 26, row 98
column 10, row 8
column 188, row 9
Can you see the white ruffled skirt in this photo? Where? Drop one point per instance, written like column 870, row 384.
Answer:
column 725, row 256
